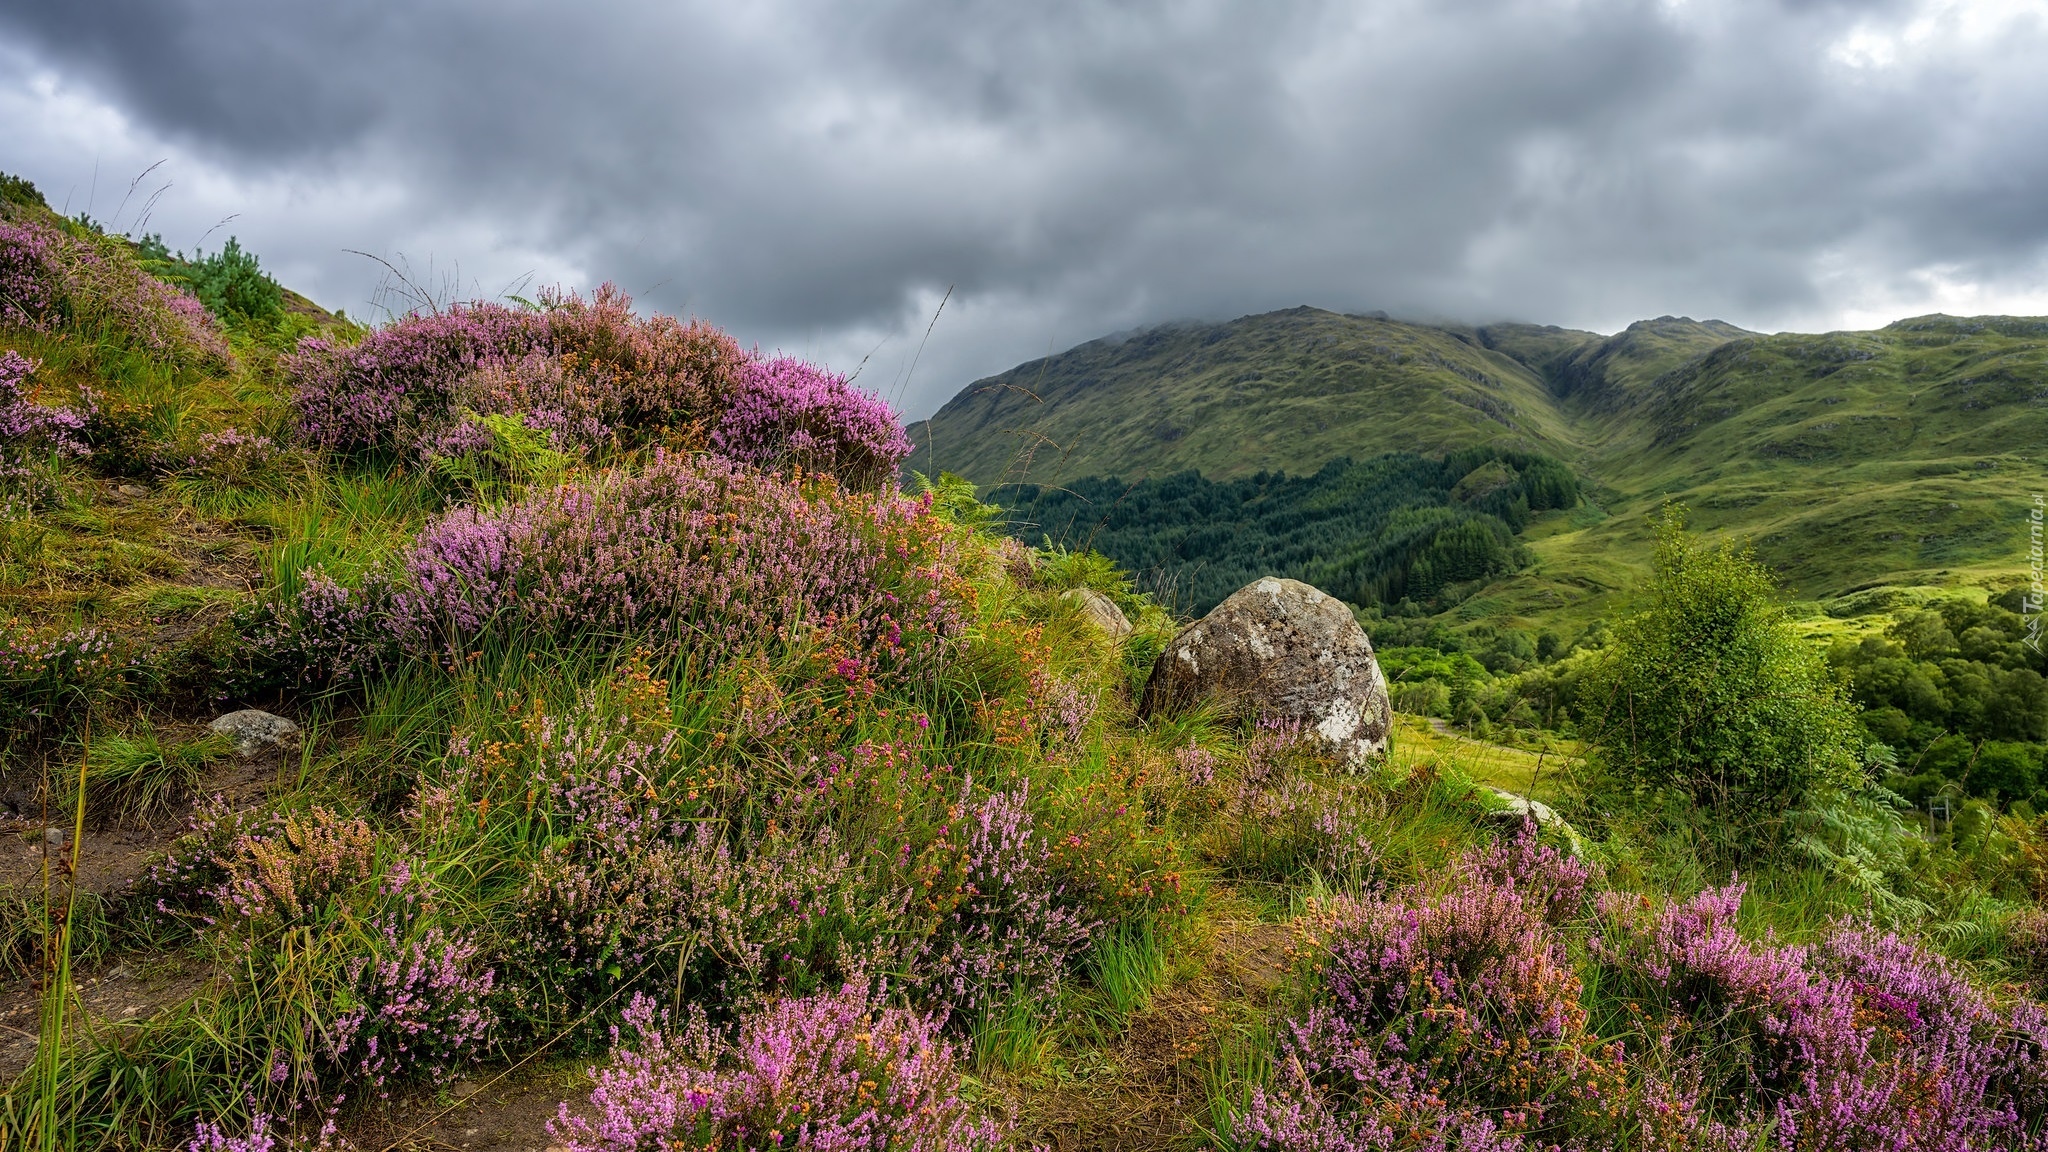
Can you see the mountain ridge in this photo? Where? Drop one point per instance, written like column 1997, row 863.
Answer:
column 1901, row 454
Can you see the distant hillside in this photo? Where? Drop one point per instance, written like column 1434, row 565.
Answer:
column 1905, row 455
column 1287, row 390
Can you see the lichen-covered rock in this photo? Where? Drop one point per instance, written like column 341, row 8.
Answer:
column 1101, row 611
column 254, row 730
column 1284, row 651
column 1520, row 809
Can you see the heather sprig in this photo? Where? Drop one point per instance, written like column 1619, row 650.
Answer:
column 833, row 1072
column 788, row 413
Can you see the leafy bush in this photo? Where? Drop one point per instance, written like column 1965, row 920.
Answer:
column 20, row 192
column 231, row 283
column 1708, row 691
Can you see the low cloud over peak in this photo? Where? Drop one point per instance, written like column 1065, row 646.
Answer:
column 816, row 176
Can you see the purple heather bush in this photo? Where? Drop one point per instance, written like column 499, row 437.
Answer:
column 25, row 425
column 1443, row 1016
column 791, row 413
column 47, row 674
column 52, row 281
column 596, row 379
column 400, row 997
column 644, row 883
column 1864, row 1040
column 686, row 556
column 827, row 1073
column 1011, row 933
column 418, row 1005
column 33, row 436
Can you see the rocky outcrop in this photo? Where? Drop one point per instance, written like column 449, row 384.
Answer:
column 254, row 730
column 1100, row 611
column 1284, row 651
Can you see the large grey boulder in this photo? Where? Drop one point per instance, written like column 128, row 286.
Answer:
column 254, row 730
column 1100, row 611
column 1285, row 651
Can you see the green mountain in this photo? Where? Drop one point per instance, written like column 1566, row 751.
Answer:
column 1907, row 455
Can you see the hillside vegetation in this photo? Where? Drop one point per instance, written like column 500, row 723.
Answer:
column 1903, row 456
column 666, row 776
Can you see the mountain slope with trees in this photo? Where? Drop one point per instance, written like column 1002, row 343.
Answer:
column 1904, row 455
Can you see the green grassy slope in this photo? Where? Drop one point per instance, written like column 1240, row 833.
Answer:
column 1905, row 455
column 1286, row 390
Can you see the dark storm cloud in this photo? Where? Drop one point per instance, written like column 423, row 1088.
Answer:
column 814, row 175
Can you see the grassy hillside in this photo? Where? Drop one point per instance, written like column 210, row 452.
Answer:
column 1904, row 455
column 1285, row 391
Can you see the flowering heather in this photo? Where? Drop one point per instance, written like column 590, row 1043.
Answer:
column 1550, row 882
column 1196, row 764
column 1441, row 1021
column 641, row 883
column 1864, row 1040
column 1010, row 932
column 589, row 372
column 52, row 281
column 46, row 673
column 287, row 871
column 788, row 412
column 827, row 1073
column 228, row 456
column 27, row 425
column 31, row 434
column 689, row 555
column 210, row 1138
column 419, row 1007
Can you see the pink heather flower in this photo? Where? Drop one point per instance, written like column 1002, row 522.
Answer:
column 787, row 412
column 697, row 556
column 53, row 281
column 588, row 373
column 827, row 1073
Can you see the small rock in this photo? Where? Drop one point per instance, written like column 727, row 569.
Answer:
column 1520, row 808
column 254, row 730
column 54, row 837
column 1100, row 611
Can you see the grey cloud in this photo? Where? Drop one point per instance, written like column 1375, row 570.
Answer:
column 814, row 175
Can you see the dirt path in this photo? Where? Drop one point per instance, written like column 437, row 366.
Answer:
column 1146, row 1090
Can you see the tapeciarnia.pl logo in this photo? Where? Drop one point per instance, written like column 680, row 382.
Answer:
column 2031, row 606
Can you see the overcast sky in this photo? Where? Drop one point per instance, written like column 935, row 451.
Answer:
column 814, row 176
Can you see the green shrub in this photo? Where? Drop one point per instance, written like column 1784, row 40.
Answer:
column 1708, row 692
